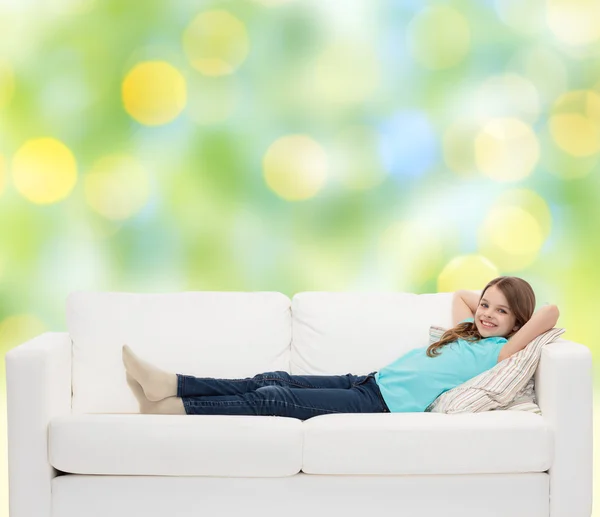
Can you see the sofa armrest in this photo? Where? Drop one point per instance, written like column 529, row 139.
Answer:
column 564, row 391
column 38, row 388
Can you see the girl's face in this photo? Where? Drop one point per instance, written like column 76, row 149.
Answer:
column 493, row 316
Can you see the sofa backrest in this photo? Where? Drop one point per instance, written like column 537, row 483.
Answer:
column 339, row 333
column 212, row 334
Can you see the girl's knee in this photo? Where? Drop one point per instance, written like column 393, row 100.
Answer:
column 271, row 375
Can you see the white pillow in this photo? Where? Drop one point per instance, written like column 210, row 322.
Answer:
column 508, row 385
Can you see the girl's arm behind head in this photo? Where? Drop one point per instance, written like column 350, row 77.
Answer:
column 544, row 319
column 464, row 305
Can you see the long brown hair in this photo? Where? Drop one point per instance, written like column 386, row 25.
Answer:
column 520, row 298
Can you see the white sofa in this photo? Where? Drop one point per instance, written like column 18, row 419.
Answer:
column 77, row 445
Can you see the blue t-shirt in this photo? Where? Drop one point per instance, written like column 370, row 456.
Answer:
column 413, row 381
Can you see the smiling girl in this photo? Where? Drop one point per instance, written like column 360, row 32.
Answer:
column 488, row 328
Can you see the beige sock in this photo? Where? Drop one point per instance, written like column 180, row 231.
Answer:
column 156, row 383
column 168, row 406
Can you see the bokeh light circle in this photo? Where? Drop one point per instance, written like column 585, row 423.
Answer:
column 439, row 37
column 506, row 149
column 295, row 167
column 44, row 170
column 154, row 92
column 408, row 144
column 216, row 42
column 574, row 22
column 531, row 202
column 511, row 237
column 575, row 122
column 471, row 272
column 117, row 187
column 355, row 160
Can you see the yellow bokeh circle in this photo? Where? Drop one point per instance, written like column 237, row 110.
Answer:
column 532, row 203
column 295, row 167
column 511, row 237
column 575, row 122
column 574, row 22
column 506, row 149
column 117, row 187
column 439, row 37
column 471, row 272
column 44, row 170
column 154, row 92
column 216, row 42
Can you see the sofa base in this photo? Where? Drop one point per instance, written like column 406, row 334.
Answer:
column 301, row 495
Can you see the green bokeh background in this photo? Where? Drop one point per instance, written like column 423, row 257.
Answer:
column 402, row 197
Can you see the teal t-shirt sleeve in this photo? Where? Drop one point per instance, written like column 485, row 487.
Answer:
column 471, row 319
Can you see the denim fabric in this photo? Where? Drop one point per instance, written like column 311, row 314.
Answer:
column 281, row 394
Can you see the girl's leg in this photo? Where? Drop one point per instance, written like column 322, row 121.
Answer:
column 286, row 401
column 189, row 386
column 159, row 384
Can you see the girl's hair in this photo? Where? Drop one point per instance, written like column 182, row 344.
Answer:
column 520, row 298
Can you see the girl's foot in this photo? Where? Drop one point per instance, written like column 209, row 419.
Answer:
column 168, row 406
column 156, row 383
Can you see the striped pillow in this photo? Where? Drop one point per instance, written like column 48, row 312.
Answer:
column 508, row 385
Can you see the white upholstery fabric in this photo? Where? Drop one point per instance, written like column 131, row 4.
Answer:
column 38, row 384
column 303, row 495
column 427, row 443
column 205, row 334
column 415, row 443
column 564, row 388
column 176, row 445
column 338, row 333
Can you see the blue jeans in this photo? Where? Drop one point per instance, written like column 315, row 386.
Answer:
column 281, row 394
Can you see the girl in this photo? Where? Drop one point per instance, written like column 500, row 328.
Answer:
column 488, row 328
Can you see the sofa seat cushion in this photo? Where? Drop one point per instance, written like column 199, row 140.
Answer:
column 176, row 445
column 427, row 443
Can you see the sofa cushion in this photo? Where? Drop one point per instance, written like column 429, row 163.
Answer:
column 338, row 333
column 176, row 445
column 205, row 334
column 427, row 443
